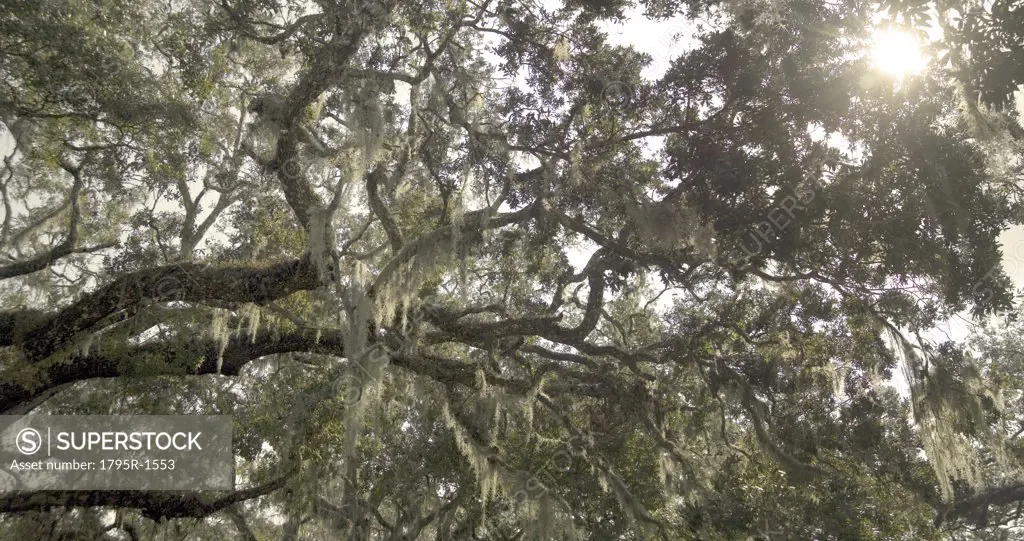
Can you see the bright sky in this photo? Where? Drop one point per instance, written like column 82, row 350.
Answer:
column 663, row 40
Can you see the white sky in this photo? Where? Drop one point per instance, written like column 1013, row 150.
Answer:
column 663, row 40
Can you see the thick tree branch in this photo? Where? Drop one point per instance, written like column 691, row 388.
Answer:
column 976, row 505
column 153, row 504
column 373, row 180
column 184, row 282
column 239, row 351
column 232, row 358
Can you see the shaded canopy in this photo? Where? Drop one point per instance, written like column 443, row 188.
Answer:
column 459, row 270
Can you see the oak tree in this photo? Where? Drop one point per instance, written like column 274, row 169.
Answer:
column 460, row 270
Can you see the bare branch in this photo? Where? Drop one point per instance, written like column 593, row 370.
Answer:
column 390, row 227
column 68, row 245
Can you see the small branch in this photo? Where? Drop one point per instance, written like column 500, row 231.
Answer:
column 244, row 531
column 43, row 261
column 753, row 406
column 68, row 246
column 377, row 205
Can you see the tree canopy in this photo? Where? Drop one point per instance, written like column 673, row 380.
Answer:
column 464, row 269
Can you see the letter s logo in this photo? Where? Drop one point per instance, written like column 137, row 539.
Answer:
column 28, row 441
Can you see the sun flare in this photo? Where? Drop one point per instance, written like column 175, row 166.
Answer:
column 897, row 53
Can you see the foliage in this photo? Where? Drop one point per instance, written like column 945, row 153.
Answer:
column 462, row 270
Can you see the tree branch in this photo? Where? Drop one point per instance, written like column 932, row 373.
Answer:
column 377, row 205
column 180, row 282
column 975, row 505
column 153, row 504
column 68, row 245
column 43, row 261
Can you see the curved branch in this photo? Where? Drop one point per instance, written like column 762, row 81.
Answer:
column 976, row 505
column 68, row 245
column 326, row 70
column 154, row 505
column 753, row 406
column 377, row 206
column 595, row 300
column 180, row 282
column 43, row 261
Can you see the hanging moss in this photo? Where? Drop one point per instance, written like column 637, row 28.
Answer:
column 220, row 333
column 85, row 344
column 485, row 470
column 397, row 293
column 250, row 315
column 15, row 369
column 949, row 453
column 544, row 518
column 366, row 363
